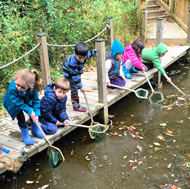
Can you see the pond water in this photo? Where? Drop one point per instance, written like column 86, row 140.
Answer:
column 148, row 147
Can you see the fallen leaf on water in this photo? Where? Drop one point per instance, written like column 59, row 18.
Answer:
column 114, row 134
column 29, row 182
column 169, row 131
column 169, row 166
column 163, row 124
column 188, row 155
column 72, row 153
column 180, row 121
column 45, row 186
column 111, row 116
column 123, row 177
column 134, row 167
column 157, row 144
column 160, row 137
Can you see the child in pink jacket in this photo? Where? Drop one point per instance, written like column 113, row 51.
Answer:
column 132, row 58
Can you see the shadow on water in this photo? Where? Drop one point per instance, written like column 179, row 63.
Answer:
column 148, row 147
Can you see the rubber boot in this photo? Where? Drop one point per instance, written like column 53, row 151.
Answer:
column 133, row 70
column 76, row 106
column 126, row 73
column 26, row 137
column 35, row 131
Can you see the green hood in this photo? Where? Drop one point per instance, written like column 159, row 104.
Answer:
column 161, row 48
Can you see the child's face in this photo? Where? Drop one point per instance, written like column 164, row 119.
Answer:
column 163, row 54
column 59, row 93
column 80, row 58
column 118, row 56
column 21, row 86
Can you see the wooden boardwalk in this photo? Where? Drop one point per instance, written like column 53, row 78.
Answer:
column 11, row 135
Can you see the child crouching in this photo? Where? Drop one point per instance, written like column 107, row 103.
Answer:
column 53, row 106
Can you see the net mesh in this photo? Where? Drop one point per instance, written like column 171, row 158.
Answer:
column 142, row 93
column 55, row 156
column 97, row 131
column 156, row 97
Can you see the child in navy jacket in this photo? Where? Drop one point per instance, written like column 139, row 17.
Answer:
column 53, row 106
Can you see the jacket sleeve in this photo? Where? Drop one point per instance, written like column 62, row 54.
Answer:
column 46, row 106
column 91, row 54
column 36, row 103
column 18, row 102
column 63, row 115
column 137, row 62
column 108, row 67
column 156, row 62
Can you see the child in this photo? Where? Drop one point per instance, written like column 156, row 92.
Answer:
column 73, row 68
column 22, row 95
column 132, row 58
column 151, row 57
column 114, row 74
column 53, row 106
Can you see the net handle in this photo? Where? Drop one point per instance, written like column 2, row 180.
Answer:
column 177, row 88
column 88, row 107
column 75, row 125
column 135, row 91
column 148, row 82
column 39, row 127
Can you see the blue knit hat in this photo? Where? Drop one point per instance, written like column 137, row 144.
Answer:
column 115, row 49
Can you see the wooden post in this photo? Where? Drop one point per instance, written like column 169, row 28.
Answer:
column 144, row 23
column 101, row 77
column 44, row 59
column 188, row 25
column 159, row 39
column 110, row 32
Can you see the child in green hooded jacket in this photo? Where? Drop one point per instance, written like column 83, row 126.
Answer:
column 151, row 57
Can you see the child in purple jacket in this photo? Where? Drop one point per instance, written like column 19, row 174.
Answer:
column 132, row 58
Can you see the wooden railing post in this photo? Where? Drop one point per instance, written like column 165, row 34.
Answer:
column 101, row 77
column 188, row 25
column 159, row 39
column 110, row 32
column 144, row 22
column 44, row 59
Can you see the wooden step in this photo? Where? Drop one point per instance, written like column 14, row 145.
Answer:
column 153, row 7
column 150, row 2
column 156, row 13
column 160, row 16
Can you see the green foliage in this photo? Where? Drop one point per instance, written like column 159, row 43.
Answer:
column 63, row 22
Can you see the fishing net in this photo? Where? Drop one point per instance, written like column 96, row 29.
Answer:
column 13, row 160
column 156, row 97
column 97, row 130
column 55, row 156
column 141, row 93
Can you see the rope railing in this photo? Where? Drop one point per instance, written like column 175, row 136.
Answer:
column 84, row 41
column 20, row 57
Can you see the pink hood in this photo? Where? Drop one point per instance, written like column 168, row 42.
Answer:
column 129, row 54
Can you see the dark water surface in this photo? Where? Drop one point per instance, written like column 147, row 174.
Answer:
column 148, row 146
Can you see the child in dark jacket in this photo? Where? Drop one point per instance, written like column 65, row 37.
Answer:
column 73, row 68
column 114, row 74
column 53, row 106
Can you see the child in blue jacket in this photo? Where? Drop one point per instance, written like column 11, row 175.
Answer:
column 53, row 106
column 22, row 95
column 73, row 68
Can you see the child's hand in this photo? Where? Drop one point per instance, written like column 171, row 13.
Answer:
column 95, row 50
column 82, row 90
column 58, row 123
column 66, row 122
column 123, row 77
column 33, row 117
column 108, row 84
column 168, row 79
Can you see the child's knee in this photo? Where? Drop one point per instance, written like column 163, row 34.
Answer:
column 49, row 129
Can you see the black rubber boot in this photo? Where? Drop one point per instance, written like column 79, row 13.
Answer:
column 76, row 106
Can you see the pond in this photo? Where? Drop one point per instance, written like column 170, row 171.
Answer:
column 147, row 147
